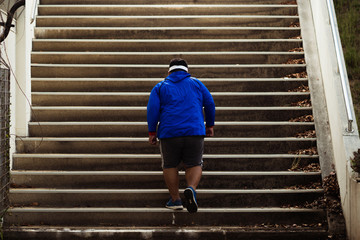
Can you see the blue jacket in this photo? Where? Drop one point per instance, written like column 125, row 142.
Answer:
column 177, row 105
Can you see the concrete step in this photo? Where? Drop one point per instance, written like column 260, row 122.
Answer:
column 132, row 2
column 167, row 21
column 163, row 57
column 166, row 45
column 88, row 163
column 137, row 145
column 137, row 114
column 146, row 70
column 207, row 198
column 152, row 162
column 162, row 216
column 141, row 98
column 146, row 84
column 139, row 129
column 164, row 233
column 166, row 32
column 167, row 9
column 155, row 179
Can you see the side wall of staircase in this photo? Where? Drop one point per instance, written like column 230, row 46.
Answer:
column 338, row 144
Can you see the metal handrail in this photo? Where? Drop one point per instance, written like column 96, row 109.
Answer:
column 341, row 64
column 35, row 3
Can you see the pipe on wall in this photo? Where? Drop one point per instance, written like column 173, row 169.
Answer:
column 9, row 20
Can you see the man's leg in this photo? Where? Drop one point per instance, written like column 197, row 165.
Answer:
column 193, row 162
column 171, row 177
column 193, row 176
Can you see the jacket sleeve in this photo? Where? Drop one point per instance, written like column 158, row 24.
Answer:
column 153, row 109
column 209, row 106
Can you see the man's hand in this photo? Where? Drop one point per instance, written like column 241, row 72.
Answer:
column 152, row 139
column 209, row 131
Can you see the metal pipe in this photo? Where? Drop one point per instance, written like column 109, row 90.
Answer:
column 34, row 11
column 341, row 65
column 10, row 17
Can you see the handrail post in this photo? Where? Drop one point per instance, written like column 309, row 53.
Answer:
column 341, row 65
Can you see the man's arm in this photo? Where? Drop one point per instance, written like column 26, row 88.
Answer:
column 153, row 114
column 209, row 108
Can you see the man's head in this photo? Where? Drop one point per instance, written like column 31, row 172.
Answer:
column 178, row 64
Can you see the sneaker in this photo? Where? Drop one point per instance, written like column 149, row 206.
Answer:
column 177, row 205
column 190, row 196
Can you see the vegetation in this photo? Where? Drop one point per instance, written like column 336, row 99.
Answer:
column 348, row 17
column 355, row 162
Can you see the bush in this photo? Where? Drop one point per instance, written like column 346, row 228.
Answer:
column 355, row 162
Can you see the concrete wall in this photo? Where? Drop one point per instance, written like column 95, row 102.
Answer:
column 23, row 74
column 16, row 50
column 325, row 70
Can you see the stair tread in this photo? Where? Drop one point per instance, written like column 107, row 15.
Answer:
column 164, row 53
column 160, row 79
column 169, row 28
column 149, row 210
column 166, row 232
column 166, row 66
column 170, row 5
column 162, row 228
column 160, row 173
column 64, row 155
column 169, row 40
column 201, row 191
column 144, row 108
column 232, row 123
column 141, row 139
column 170, row 16
column 148, row 93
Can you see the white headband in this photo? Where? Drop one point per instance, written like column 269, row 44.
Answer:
column 178, row 67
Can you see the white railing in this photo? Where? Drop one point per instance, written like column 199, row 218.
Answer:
column 33, row 15
column 341, row 65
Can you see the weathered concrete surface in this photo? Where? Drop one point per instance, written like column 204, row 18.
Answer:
column 339, row 144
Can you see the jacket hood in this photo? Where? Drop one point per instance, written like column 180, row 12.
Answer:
column 178, row 76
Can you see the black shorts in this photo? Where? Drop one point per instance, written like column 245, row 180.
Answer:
column 188, row 150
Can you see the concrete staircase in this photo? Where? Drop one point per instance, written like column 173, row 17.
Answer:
column 86, row 169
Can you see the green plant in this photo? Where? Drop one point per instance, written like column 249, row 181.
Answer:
column 348, row 17
column 355, row 161
column 295, row 164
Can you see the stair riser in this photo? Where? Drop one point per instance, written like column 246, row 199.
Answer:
column 140, row 115
column 159, row 199
column 43, row 33
column 146, row 86
column 163, row 219
column 50, row 2
column 165, row 58
column 165, row 22
column 163, row 10
column 132, row 147
column 138, row 100
column 157, row 181
column 140, row 131
column 144, row 72
column 154, row 164
column 137, row 234
column 179, row 45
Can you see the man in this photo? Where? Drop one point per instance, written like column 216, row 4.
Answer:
column 177, row 105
